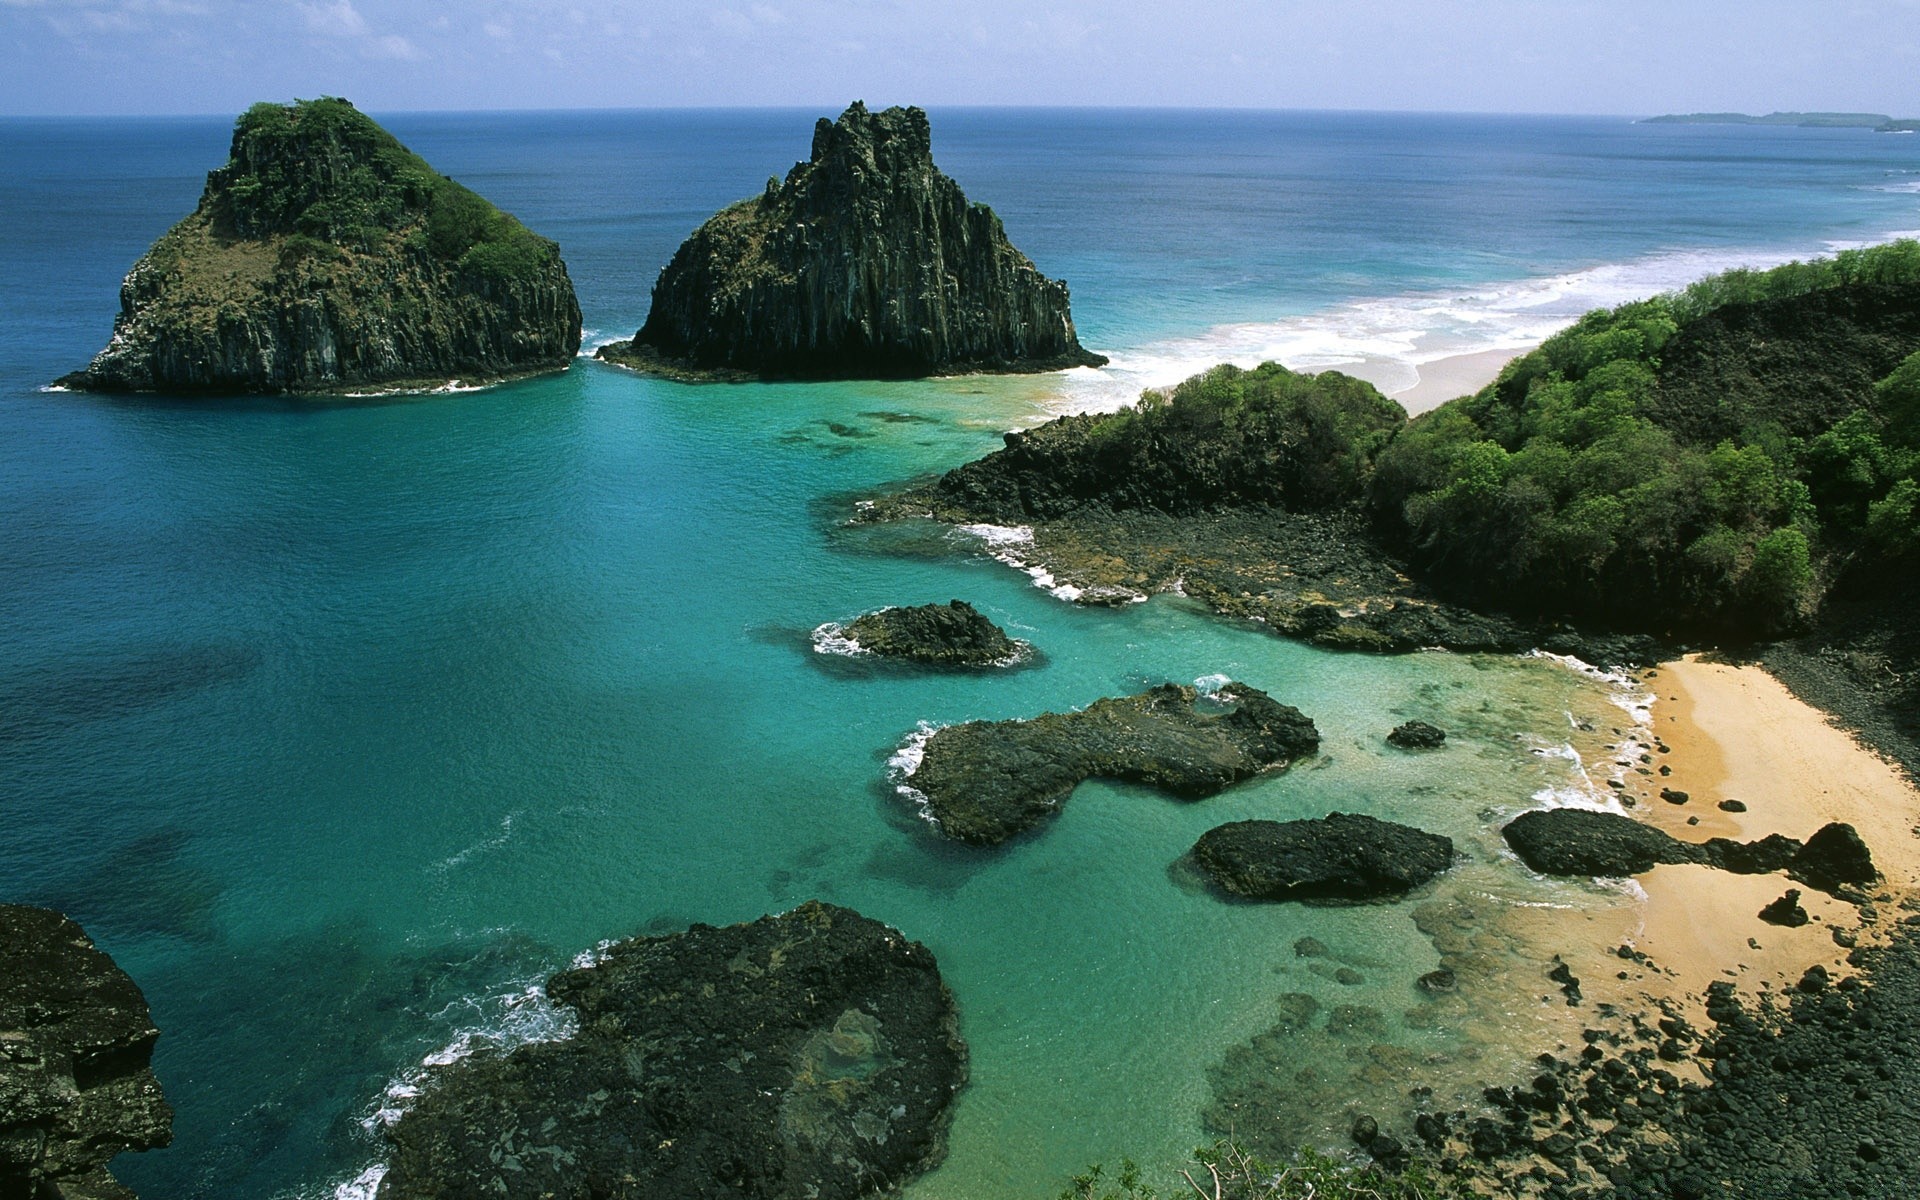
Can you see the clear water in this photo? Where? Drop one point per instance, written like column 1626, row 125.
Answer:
column 339, row 724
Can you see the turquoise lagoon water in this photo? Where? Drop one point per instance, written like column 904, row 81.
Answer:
column 341, row 724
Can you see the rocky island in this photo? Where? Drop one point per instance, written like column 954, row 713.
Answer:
column 327, row 257
column 1575, row 841
column 1341, row 856
column 954, row 634
column 985, row 781
column 75, row 1044
column 866, row 262
column 807, row 1056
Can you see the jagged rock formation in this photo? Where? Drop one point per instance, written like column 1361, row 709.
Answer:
column 985, row 781
column 325, row 257
column 954, row 634
column 810, row 1056
column 75, row 1041
column 1341, row 856
column 866, row 262
column 1575, row 841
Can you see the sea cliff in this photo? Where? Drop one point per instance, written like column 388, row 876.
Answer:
column 326, row 257
column 866, row 262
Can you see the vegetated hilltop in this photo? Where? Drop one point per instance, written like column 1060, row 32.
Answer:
column 326, row 256
column 1800, row 120
column 1710, row 464
column 867, row 262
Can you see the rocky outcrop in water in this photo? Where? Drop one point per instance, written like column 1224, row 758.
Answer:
column 326, row 257
column 806, row 1056
column 1574, row 841
column 954, row 634
column 1417, row 735
column 985, row 781
column 75, row 1044
column 1341, row 856
column 866, row 262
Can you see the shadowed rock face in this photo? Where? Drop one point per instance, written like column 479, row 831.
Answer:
column 325, row 256
column 810, row 1055
column 954, row 634
column 988, row 780
column 1572, row 841
column 1342, row 856
column 866, row 262
column 75, row 1043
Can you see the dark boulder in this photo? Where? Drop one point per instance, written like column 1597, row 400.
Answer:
column 1786, row 911
column 75, row 1043
column 985, row 781
column 1834, row 857
column 865, row 263
column 1342, row 856
column 1417, row 735
column 1577, row 841
column 954, row 634
column 812, row 1054
column 326, row 257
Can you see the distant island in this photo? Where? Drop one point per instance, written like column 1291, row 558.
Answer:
column 327, row 257
column 1878, row 122
column 865, row 263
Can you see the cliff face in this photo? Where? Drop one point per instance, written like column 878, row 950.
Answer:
column 325, row 256
column 75, row 1041
column 866, row 262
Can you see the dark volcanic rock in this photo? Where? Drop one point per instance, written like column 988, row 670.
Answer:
column 1342, row 856
column 947, row 635
column 1573, row 841
column 865, row 263
column 985, row 781
column 1786, row 911
column 809, row 1055
column 75, row 1041
column 1833, row 858
column 325, row 256
column 1418, row 735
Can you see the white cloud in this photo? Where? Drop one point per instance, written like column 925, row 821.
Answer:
column 391, row 45
column 338, row 19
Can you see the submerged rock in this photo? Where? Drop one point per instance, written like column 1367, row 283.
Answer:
column 985, row 781
column 1341, row 856
column 1417, row 735
column 75, row 1044
column 325, row 256
column 810, row 1056
column 954, row 634
column 865, row 263
column 1574, row 841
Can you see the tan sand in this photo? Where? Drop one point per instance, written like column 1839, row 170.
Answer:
column 1736, row 732
column 1444, row 379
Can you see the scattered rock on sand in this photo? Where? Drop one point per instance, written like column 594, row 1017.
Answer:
column 1786, row 911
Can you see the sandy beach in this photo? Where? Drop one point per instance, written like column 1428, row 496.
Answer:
column 1736, row 733
column 1446, row 379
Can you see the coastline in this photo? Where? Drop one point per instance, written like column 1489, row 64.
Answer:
column 1449, row 378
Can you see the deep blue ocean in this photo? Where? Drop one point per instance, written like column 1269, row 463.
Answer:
column 340, row 724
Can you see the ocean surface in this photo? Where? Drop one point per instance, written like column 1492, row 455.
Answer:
column 341, row 724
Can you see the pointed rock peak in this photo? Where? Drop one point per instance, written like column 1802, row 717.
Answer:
column 894, row 137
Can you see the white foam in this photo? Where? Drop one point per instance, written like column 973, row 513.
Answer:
column 905, row 761
column 54, row 387
column 1002, row 541
column 518, row 1016
column 1389, row 338
column 1210, row 685
column 363, row 1186
column 495, row 842
column 832, row 638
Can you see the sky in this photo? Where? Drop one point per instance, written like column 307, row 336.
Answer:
column 1631, row 57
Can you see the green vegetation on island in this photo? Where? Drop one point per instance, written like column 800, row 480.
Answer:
column 1879, row 122
column 325, row 255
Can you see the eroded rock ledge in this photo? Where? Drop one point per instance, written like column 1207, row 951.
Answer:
column 865, row 263
column 809, row 1056
column 985, row 781
column 75, row 1044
